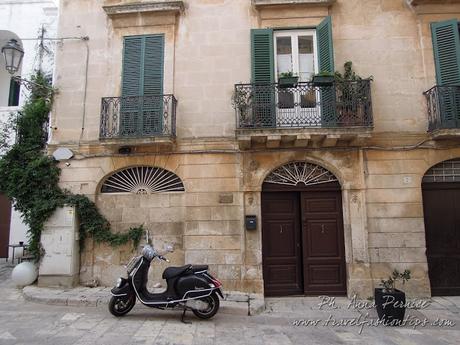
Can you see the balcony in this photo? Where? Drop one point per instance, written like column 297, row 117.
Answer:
column 304, row 115
column 138, row 120
column 443, row 111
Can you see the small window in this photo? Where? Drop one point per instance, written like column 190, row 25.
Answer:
column 13, row 98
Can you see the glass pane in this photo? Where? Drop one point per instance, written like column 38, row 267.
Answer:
column 285, row 100
column 306, row 58
column 283, row 55
column 308, row 99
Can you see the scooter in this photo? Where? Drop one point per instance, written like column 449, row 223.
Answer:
column 188, row 287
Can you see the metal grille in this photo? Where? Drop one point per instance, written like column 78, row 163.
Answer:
column 447, row 171
column 143, row 180
column 341, row 104
column 300, row 172
column 140, row 116
column 443, row 107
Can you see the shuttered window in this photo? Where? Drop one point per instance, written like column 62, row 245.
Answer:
column 326, row 64
column 263, row 73
column 325, row 48
column 446, row 48
column 142, row 85
column 262, row 56
column 263, row 70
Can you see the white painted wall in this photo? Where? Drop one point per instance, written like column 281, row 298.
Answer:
column 24, row 18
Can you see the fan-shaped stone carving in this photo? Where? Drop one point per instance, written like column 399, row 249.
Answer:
column 142, row 180
column 294, row 173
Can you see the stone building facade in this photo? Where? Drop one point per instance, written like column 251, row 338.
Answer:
column 332, row 172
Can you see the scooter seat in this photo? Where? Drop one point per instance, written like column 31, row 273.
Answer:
column 198, row 268
column 172, row 272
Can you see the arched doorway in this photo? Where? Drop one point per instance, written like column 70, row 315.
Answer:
column 303, row 247
column 441, row 208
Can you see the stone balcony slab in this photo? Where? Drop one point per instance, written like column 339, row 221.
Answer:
column 262, row 3
column 436, row 2
column 302, row 138
column 124, row 8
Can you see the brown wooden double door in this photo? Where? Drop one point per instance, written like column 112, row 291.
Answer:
column 303, row 245
column 441, row 205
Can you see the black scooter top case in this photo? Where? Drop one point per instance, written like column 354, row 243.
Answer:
column 192, row 286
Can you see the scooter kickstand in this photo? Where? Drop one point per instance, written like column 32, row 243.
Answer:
column 182, row 318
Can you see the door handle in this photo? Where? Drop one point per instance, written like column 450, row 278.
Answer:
column 322, row 228
column 281, row 229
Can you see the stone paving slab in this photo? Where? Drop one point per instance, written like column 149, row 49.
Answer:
column 23, row 322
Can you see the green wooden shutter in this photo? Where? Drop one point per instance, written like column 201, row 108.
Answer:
column 326, row 64
column 153, row 85
column 263, row 70
column 142, row 85
column 131, row 88
column 446, row 49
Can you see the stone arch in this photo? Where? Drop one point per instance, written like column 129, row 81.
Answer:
column 303, row 235
column 441, row 206
column 444, row 171
column 309, row 160
column 6, row 85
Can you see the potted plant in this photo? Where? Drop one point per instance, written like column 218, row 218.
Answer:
column 242, row 101
column 351, row 96
column 390, row 302
column 323, row 79
column 287, row 79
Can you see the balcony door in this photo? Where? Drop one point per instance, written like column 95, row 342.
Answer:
column 295, row 52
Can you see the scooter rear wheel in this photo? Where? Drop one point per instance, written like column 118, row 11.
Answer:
column 212, row 302
column 121, row 306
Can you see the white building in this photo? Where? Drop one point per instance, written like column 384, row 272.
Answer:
column 22, row 20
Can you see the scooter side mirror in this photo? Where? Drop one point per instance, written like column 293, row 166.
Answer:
column 169, row 248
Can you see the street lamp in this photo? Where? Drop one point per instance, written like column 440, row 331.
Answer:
column 13, row 54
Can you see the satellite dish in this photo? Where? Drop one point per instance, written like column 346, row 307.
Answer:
column 62, row 154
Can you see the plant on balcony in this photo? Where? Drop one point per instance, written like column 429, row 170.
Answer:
column 242, row 101
column 30, row 178
column 351, row 95
column 323, row 79
column 287, row 79
column 390, row 302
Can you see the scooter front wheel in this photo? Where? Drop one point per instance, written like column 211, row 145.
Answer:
column 210, row 309
column 120, row 306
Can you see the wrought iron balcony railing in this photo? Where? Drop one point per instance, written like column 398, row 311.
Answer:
column 304, row 105
column 138, row 117
column 443, row 107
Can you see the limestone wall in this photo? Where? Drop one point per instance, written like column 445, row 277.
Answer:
column 204, row 223
column 208, row 51
column 395, row 212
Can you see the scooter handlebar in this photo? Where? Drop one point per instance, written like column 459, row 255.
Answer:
column 161, row 257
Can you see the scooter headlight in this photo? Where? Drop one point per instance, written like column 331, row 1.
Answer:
column 119, row 282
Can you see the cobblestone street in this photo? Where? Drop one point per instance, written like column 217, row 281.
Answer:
column 23, row 322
